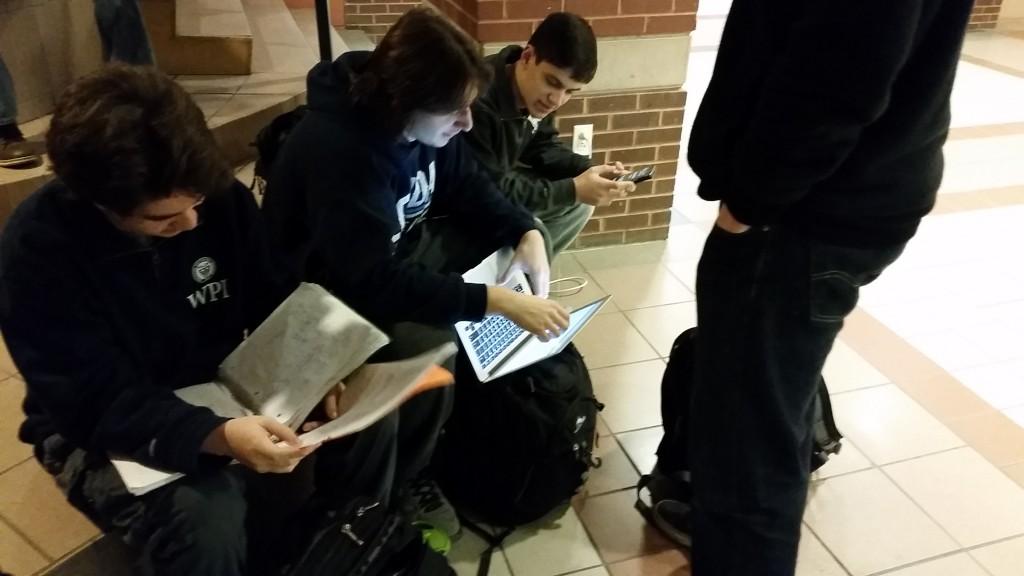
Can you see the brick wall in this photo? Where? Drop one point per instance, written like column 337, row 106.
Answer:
column 337, row 9
column 514, row 20
column 462, row 12
column 375, row 16
column 985, row 14
column 637, row 128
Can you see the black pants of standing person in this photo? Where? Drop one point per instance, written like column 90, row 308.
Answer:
column 770, row 303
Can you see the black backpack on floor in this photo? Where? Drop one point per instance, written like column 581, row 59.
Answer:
column 518, row 447
column 676, row 387
column 363, row 539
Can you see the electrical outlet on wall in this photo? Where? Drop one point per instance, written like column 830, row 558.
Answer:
column 583, row 139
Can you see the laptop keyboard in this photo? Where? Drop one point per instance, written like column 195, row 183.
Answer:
column 492, row 335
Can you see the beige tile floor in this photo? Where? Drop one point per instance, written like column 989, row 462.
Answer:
column 929, row 482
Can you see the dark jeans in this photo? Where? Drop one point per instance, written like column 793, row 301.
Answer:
column 770, row 304
column 122, row 32
column 8, row 104
column 220, row 523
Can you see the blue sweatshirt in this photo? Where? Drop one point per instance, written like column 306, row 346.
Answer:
column 343, row 194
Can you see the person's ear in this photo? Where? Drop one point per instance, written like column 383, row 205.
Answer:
column 529, row 55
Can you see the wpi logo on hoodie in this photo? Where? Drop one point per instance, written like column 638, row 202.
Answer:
column 414, row 204
column 202, row 270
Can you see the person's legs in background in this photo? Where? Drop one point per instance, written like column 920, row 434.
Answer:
column 14, row 151
column 122, row 32
column 770, row 304
column 561, row 226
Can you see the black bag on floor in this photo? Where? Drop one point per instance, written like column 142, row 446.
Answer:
column 517, row 447
column 364, row 539
column 676, row 387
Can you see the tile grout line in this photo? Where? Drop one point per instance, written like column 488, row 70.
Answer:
column 31, row 543
column 868, row 387
column 827, row 549
column 871, row 325
column 74, row 552
column 994, row 66
column 963, row 550
column 819, row 481
column 16, row 464
column 924, row 561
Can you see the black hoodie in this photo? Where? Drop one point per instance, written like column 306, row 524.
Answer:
column 505, row 141
column 342, row 194
column 830, row 116
column 103, row 326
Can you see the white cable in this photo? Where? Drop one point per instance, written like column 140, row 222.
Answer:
column 579, row 284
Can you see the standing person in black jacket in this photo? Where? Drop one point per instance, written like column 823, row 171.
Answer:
column 133, row 274
column 821, row 135
column 514, row 135
column 375, row 197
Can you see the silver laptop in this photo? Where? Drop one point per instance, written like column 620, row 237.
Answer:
column 496, row 346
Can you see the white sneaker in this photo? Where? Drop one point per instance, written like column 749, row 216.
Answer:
column 431, row 507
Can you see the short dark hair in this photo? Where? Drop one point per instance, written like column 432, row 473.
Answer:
column 567, row 41
column 127, row 135
column 424, row 63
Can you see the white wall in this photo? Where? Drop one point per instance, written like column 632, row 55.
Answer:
column 1012, row 9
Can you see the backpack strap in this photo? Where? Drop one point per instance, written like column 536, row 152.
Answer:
column 493, row 542
column 828, row 420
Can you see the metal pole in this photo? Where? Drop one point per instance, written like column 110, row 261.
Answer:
column 323, row 30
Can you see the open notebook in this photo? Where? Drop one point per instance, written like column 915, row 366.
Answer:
column 496, row 346
column 287, row 365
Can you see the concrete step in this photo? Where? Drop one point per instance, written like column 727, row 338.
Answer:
column 280, row 46
column 210, row 19
column 306, row 20
column 199, row 36
column 356, row 39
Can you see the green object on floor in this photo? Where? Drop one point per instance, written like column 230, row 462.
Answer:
column 436, row 538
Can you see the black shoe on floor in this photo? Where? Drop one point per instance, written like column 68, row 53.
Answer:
column 667, row 506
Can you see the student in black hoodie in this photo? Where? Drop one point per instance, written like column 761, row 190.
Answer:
column 135, row 273
column 376, row 197
column 821, row 136
column 515, row 138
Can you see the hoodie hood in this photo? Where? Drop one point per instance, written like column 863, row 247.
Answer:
column 329, row 84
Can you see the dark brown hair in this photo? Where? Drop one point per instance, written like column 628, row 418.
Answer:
column 127, row 135
column 424, row 63
column 567, row 41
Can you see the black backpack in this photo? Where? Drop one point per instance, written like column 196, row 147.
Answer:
column 269, row 142
column 676, row 387
column 363, row 539
column 518, row 447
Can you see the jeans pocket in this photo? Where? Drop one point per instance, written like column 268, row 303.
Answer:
column 839, row 272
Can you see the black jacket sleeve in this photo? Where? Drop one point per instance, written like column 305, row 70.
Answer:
column 352, row 218
column 833, row 79
column 79, row 373
column 466, row 192
column 548, row 158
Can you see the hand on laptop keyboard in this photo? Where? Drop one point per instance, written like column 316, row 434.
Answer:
column 543, row 318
